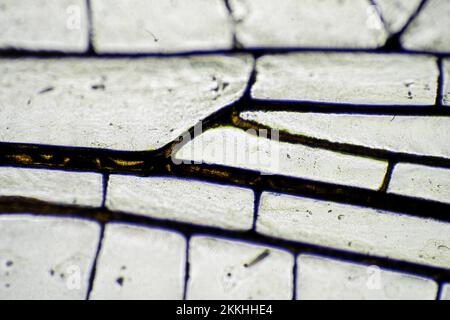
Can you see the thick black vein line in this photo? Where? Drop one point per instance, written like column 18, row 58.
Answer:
column 20, row 53
column 388, row 176
column 439, row 291
column 256, row 202
column 441, row 88
column 316, row 190
column 187, row 266
column 294, row 279
column 90, row 27
column 379, row 13
column 105, row 181
column 437, row 273
column 413, row 17
column 393, row 44
column 236, row 44
column 344, row 108
column 344, row 148
column 305, row 188
column 95, row 262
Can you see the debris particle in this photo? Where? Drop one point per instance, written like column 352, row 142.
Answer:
column 120, row 281
column 98, row 87
column 442, row 247
column 46, row 90
column 410, row 96
column 258, row 259
column 155, row 39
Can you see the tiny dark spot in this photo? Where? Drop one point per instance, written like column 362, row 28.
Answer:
column 52, row 272
column 46, row 90
column 349, row 243
column 288, row 156
column 123, row 268
column 9, row 263
column 120, row 281
column 340, row 216
column 29, row 102
column 7, row 285
column 228, row 274
column 330, row 211
column 410, row 96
